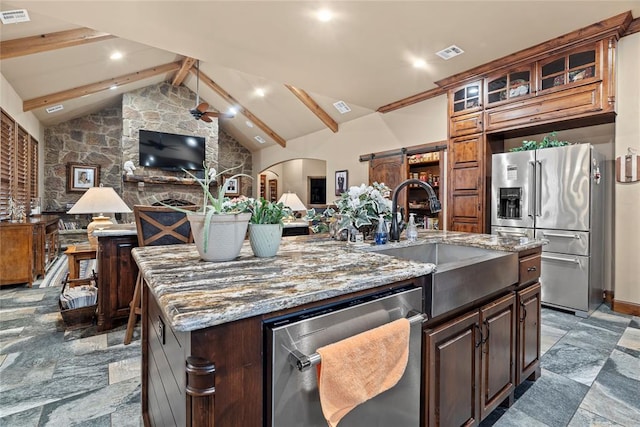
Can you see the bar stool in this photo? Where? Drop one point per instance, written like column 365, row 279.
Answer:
column 156, row 225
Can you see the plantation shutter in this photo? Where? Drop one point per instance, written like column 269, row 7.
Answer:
column 33, row 169
column 22, row 169
column 7, row 155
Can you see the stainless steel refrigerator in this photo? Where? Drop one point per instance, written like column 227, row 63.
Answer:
column 556, row 194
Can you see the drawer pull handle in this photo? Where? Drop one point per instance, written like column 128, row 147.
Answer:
column 556, row 258
column 565, row 236
column 532, row 269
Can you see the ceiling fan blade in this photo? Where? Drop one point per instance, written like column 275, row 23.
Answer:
column 203, row 107
column 206, row 118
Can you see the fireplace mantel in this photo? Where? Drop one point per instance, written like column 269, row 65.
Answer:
column 161, row 180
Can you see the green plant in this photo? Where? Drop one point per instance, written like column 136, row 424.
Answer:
column 363, row 205
column 319, row 221
column 266, row 212
column 548, row 141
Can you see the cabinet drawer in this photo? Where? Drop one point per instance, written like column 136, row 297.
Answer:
column 530, row 268
column 561, row 105
column 465, row 125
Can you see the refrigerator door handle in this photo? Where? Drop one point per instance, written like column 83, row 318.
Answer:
column 555, row 258
column 566, row 236
column 532, row 194
column 538, row 190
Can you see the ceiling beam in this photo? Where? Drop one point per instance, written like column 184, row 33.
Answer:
column 414, row 99
column 54, row 98
column 51, row 41
column 314, row 107
column 187, row 63
column 248, row 114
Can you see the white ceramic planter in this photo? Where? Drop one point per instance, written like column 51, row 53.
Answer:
column 226, row 235
column 265, row 239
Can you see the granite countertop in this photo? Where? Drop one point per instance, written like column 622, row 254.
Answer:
column 116, row 230
column 195, row 294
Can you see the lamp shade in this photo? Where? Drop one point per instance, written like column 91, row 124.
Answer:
column 292, row 201
column 99, row 200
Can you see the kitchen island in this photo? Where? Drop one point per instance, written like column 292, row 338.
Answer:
column 203, row 338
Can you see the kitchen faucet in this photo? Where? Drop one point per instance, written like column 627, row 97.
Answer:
column 434, row 206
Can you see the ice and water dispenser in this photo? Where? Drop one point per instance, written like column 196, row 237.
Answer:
column 509, row 203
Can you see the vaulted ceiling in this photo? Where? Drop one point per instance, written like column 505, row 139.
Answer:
column 363, row 56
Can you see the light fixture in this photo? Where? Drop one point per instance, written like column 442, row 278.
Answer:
column 419, row 63
column 99, row 200
column 248, row 123
column 292, row 201
column 324, row 15
column 114, row 87
column 116, row 55
column 260, row 92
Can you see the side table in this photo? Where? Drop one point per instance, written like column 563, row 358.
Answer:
column 76, row 254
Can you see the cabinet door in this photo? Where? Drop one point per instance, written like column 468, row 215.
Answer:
column 452, row 373
column 465, row 125
column 507, row 86
column 391, row 170
column 16, row 261
column 575, row 67
column 466, row 98
column 498, row 353
column 528, row 347
column 467, row 184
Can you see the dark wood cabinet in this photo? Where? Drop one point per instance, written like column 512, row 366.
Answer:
column 528, row 346
column 508, row 85
column 28, row 249
column 469, row 365
column 467, row 124
column 117, row 274
column 465, row 98
column 390, row 169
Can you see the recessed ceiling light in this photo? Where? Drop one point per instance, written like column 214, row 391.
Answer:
column 116, row 55
column 14, row 16
column 419, row 63
column 450, row 52
column 248, row 123
column 114, row 87
column 260, row 139
column 324, row 15
column 232, row 110
column 342, row 107
column 54, row 108
column 260, row 92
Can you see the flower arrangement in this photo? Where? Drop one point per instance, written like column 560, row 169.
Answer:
column 362, row 206
column 266, row 212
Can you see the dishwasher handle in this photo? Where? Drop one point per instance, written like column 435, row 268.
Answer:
column 302, row 362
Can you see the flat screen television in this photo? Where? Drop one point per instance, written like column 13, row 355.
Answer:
column 170, row 151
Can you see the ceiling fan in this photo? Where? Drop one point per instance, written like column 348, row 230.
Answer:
column 200, row 111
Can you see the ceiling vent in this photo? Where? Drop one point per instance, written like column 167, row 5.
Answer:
column 260, row 139
column 342, row 107
column 450, row 52
column 54, row 108
column 14, row 16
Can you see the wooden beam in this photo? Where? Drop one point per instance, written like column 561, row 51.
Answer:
column 633, row 28
column 77, row 92
column 314, row 107
column 51, row 41
column 413, row 99
column 187, row 64
column 248, row 114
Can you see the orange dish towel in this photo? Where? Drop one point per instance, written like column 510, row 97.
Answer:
column 359, row 368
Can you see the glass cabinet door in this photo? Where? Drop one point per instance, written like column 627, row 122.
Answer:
column 466, row 99
column 509, row 85
column 575, row 66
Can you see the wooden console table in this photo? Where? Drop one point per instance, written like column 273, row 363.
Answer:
column 75, row 255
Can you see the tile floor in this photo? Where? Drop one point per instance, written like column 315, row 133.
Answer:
column 51, row 376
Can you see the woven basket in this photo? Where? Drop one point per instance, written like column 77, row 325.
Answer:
column 78, row 317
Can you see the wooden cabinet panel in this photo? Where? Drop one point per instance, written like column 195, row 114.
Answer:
column 498, row 353
column 528, row 346
column 465, row 226
column 465, row 98
column 465, row 125
column 452, row 374
column 509, row 85
column 117, row 274
column 391, row 170
column 466, row 179
column 554, row 107
column 464, row 206
column 530, row 268
column 466, row 151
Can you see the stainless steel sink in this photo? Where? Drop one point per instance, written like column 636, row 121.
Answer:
column 464, row 274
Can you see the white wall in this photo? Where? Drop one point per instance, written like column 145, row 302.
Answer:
column 12, row 104
column 417, row 124
column 627, row 195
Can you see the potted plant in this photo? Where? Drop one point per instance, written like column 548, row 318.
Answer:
column 362, row 206
column 265, row 226
column 220, row 225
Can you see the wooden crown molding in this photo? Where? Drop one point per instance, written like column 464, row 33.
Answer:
column 634, row 27
column 187, row 64
column 51, row 41
column 248, row 114
column 616, row 26
column 314, row 107
column 91, row 88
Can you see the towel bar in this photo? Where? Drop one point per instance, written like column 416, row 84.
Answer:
column 302, row 362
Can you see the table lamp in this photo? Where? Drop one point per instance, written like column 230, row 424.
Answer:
column 292, row 201
column 99, row 200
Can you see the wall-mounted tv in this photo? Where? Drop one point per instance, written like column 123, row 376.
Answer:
column 171, row 151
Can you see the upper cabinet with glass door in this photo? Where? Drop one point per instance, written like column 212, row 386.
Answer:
column 578, row 66
column 507, row 86
column 465, row 99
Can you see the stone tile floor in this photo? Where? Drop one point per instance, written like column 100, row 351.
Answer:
column 53, row 376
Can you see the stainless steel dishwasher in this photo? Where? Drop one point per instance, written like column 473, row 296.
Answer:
column 292, row 342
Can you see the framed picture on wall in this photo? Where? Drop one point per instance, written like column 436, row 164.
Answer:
column 232, row 187
column 82, row 177
column 342, row 182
